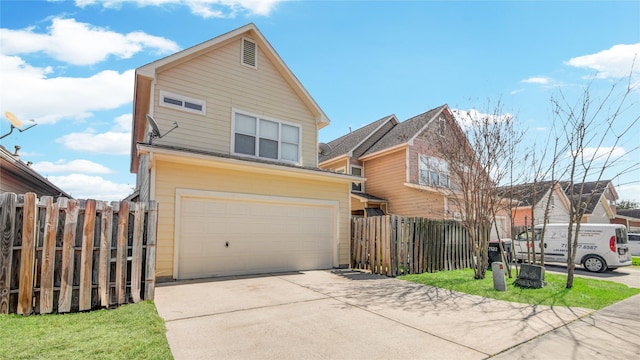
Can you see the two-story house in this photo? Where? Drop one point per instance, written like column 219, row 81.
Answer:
column 237, row 182
column 405, row 173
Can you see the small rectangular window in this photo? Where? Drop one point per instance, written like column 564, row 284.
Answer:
column 442, row 125
column 356, row 171
column 181, row 102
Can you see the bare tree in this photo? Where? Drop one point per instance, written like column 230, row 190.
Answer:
column 479, row 159
column 593, row 130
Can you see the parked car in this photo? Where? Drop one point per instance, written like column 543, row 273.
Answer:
column 600, row 246
column 634, row 244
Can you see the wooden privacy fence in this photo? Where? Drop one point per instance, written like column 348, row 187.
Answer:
column 74, row 255
column 393, row 245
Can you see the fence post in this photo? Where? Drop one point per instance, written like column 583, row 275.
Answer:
column 152, row 228
column 48, row 255
column 7, row 220
column 136, row 251
column 86, row 257
column 68, row 256
column 27, row 259
column 106, row 231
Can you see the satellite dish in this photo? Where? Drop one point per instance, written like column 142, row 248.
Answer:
column 323, row 148
column 13, row 119
column 155, row 130
column 15, row 124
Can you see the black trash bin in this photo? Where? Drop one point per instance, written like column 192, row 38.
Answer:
column 494, row 251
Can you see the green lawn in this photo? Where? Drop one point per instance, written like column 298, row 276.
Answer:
column 133, row 331
column 635, row 260
column 586, row 293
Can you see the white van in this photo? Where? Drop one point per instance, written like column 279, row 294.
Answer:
column 600, row 246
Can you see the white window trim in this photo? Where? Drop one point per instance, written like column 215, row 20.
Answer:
column 182, row 98
column 361, row 175
column 235, row 111
column 242, row 53
column 440, row 173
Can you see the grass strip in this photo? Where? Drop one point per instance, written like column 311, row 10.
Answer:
column 133, row 331
column 585, row 293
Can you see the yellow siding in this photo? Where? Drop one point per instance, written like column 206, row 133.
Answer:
column 171, row 176
column 219, row 79
column 386, row 176
column 336, row 164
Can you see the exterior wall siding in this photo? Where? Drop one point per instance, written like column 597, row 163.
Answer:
column 218, row 78
column 558, row 213
column 385, row 179
column 171, row 176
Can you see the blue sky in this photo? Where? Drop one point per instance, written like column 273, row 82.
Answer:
column 69, row 65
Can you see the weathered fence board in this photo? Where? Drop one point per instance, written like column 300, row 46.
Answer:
column 393, row 245
column 7, row 219
column 28, row 254
column 58, row 256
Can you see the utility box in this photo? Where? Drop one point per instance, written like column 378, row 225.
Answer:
column 531, row 276
column 499, row 281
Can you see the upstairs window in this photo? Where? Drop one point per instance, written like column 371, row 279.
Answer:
column 442, row 126
column 181, row 102
column 249, row 56
column 357, row 171
column 265, row 138
column 433, row 171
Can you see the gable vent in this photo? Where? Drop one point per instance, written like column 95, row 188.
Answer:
column 249, row 53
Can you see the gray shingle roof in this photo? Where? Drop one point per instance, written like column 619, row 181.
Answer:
column 346, row 143
column 591, row 191
column 404, row 131
column 526, row 194
column 634, row 213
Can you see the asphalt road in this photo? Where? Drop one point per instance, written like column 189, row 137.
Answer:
column 629, row 275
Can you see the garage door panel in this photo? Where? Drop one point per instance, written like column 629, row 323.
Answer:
column 263, row 236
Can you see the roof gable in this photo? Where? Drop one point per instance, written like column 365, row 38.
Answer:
column 592, row 192
column 406, row 131
column 146, row 74
column 346, row 144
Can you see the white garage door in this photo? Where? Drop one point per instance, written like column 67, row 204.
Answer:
column 231, row 234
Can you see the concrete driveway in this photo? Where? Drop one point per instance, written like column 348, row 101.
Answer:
column 343, row 315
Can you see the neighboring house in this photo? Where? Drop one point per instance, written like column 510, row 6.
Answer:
column 530, row 201
column 342, row 156
column 401, row 162
column 628, row 217
column 598, row 199
column 18, row 177
column 238, row 183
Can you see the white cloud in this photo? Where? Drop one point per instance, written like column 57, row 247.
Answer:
column 115, row 142
column 629, row 192
column 614, row 63
column 81, row 43
column 82, row 186
column 30, row 94
column 203, row 8
column 537, row 80
column 469, row 118
column 74, row 166
column 602, row 153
